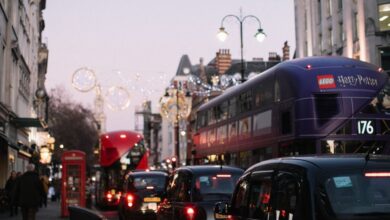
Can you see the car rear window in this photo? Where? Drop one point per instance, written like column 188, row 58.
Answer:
column 144, row 182
column 214, row 186
column 359, row 194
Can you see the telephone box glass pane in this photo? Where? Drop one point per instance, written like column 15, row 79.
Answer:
column 73, row 185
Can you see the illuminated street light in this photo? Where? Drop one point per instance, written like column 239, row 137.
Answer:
column 45, row 155
column 260, row 35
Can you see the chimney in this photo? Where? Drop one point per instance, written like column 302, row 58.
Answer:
column 286, row 51
column 223, row 61
column 273, row 56
column 202, row 74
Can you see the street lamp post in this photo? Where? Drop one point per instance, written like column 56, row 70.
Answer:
column 176, row 106
column 260, row 35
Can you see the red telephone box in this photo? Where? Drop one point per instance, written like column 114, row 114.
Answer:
column 73, row 180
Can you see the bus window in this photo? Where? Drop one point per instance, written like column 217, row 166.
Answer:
column 286, row 122
column 218, row 113
column 224, row 110
column 277, row 91
column 327, row 106
column 248, row 101
column 245, row 101
column 201, row 120
column 211, row 116
column 232, row 107
column 264, row 94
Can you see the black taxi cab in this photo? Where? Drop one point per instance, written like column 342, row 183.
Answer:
column 193, row 191
column 345, row 187
column 142, row 193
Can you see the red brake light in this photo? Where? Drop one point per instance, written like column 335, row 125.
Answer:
column 109, row 197
column 377, row 174
column 130, row 200
column 190, row 212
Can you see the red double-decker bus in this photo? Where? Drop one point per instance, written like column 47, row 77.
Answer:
column 120, row 152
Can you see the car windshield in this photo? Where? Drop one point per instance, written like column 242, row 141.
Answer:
column 359, row 195
column 148, row 182
column 214, row 186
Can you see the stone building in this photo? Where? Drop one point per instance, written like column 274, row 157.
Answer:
column 23, row 100
column 357, row 29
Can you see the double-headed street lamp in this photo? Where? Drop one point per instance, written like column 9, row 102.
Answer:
column 176, row 107
column 260, row 35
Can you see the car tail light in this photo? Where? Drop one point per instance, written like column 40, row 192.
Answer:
column 109, row 196
column 189, row 213
column 130, row 200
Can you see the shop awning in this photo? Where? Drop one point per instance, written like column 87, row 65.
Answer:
column 29, row 122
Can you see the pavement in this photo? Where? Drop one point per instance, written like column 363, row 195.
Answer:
column 51, row 212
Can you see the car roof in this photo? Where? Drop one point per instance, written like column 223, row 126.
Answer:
column 327, row 161
column 205, row 169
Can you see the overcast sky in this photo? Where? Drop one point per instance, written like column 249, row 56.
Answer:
column 138, row 44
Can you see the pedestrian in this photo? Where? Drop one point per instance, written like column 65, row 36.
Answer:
column 29, row 192
column 9, row 189
column 45, row 183
column 51, row 193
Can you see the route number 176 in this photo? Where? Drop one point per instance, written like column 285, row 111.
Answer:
column 365, row 127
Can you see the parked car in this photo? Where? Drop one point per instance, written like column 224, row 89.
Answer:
column 312, row 188
column 142, row 193
column 193, row 191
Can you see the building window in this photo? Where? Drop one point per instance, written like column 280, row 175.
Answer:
column 2, row 48
column 319, row 12
column 24, row 82
column 341, row 33
column 355, row 26
column 340, row 4
column 384, row 17
column 385, row 58
column 330, row 11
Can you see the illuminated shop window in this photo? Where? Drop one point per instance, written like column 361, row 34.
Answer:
column 384, row 17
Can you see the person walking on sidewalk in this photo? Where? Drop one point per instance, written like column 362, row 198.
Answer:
column 45, row 183
column 9, row 189
column 29, row 192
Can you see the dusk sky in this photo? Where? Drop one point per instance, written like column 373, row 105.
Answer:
column 138, row 44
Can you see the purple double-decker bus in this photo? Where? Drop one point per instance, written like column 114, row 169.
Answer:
column 315, row 105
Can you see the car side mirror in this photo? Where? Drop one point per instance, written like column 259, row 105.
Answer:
column 221, row 210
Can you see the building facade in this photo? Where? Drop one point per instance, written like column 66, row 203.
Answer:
column 352, row 28
column 23, row 100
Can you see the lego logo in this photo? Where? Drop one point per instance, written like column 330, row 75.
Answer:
column 326, row 81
